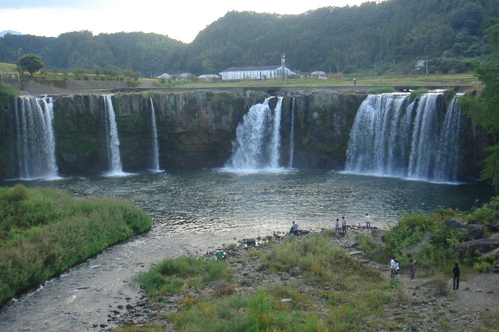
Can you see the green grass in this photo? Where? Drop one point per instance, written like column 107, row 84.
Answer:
column 8, row 68
column 320, row 264
column 175, row 275
column 45, row 231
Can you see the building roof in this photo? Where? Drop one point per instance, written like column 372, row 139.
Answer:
column 252, row 68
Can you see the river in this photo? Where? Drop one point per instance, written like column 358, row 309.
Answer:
column 197, row 211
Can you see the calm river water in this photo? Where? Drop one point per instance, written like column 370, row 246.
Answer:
column 270, row 201
column 196, row 210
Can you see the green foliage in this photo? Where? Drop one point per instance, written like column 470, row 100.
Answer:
column 416, row 93
column 45, row 231
column 389, row 35
column 319, row 262
column 174, row 275
column 377, row 91
column 485, row 108
column 31, row 63
column 7, row 94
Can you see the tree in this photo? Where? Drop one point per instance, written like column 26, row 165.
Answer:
column 31, row 63
column 485, row 108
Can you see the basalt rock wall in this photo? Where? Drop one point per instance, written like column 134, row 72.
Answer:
column 194, row 128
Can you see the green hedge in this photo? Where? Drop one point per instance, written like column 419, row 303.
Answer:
column 45, row 231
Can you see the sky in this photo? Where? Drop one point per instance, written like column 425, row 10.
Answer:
column 178, row 19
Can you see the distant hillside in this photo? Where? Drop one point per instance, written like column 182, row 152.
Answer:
column 376, row 38
column 3, row 33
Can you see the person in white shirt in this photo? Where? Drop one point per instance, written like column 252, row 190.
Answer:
column 393, row 265
column 368, row 220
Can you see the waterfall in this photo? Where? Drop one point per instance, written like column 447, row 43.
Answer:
column 276, row 136
column 391, row 137
column 380, row 135
column 258, row 140
column 292, row 134
column 35, row 138
column 447, row 167
column 113, row 141
column 155, row 146
column 425, row 139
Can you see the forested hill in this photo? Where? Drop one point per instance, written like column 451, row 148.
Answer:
column 388, row 36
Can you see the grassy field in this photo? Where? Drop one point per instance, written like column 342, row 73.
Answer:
column 8, row 68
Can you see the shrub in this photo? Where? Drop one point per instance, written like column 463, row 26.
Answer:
column 174, row 275
column 45, row 231
column 440, row 285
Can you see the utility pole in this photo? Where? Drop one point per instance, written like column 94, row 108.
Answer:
column 19, row 64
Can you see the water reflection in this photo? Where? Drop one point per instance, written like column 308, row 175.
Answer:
column 187, row 201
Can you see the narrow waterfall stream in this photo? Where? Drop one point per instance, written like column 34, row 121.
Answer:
column 35, row 138
column 114, row 157
column 155, row 145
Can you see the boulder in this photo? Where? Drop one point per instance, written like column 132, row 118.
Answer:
column 473, row 231
column 413, row 248
column 494, row 236
column 481, row 245
column 494, row 225
column 455, row 223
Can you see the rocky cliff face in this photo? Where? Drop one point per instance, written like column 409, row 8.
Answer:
column 194, row 128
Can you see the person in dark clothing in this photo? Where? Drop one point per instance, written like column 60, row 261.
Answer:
column 455, row 279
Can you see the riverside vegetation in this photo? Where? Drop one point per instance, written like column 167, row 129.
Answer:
column 313, row 283
column 45, row 231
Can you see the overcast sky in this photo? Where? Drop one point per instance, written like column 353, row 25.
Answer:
column 179, row 19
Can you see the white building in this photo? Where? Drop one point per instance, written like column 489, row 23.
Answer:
column 255, row 72
column 165, row 75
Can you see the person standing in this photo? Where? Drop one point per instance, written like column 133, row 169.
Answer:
column 397, row 269
column 413, row 270
column 344, row 225
column 392, row 267
column 337, row 224
column 457, row 275
column 368, row 220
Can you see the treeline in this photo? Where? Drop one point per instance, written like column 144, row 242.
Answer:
column 386, row 37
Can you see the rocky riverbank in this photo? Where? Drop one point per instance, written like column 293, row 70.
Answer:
column 415, row 307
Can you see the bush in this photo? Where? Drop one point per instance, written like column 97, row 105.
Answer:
column 174, row 275
column 45, row 231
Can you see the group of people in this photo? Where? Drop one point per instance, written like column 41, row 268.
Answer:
column 344, row 224
column 395, row 268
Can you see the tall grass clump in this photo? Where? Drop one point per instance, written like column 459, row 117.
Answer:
column 320, row 262
column 175, row 275
column 45, row 231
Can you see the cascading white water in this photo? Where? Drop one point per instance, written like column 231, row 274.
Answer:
column 113, row 141
column 380, row 136
column 292, row 134
column 258, row 140
column 155, row 146
column 276, row 135
column 35, row 138
column 425, row 139
column 391, row 138
column 447, row 166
